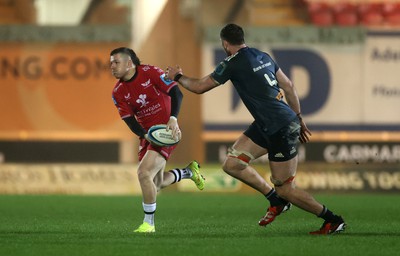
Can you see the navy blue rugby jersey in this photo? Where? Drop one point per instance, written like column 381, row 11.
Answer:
column 253, row 73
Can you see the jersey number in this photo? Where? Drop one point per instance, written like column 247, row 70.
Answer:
column 270, row 82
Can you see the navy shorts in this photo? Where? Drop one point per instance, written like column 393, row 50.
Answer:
column 282, row 145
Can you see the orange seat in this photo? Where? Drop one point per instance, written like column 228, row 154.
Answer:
column 345, row 14
column 320, row 14
column 391, row 14
column 371, row 14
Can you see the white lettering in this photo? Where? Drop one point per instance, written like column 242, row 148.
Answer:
column 261, row 67
column 330, row 180
column 362, row 153
column 329, row 153
column 371, row 179
column 149, row 111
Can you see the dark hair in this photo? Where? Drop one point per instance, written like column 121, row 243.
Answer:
column 232, row 33
column 128, row 51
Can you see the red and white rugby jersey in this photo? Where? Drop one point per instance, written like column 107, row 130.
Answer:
column 144, row 96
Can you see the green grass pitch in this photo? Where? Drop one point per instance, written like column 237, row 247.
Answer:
column 192, row 224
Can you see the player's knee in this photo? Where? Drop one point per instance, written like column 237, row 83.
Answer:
column 143, row 174
column 284, row 191
column 237, row 160
column 283, row 187
column 232, row 164
column 281, row 182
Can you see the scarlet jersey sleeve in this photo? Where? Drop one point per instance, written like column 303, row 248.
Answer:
column 118, row 98
column 161, row 83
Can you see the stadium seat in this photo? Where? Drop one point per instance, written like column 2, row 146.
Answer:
column 391, row 14
column 371, row 14
column 345, row 14
column 320, row 14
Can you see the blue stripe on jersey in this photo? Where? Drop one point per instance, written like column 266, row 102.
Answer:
column 167, row 82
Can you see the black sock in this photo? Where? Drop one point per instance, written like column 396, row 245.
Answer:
column 274, row 199
column 327, row 215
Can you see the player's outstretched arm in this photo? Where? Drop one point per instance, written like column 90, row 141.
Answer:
column 195, row 85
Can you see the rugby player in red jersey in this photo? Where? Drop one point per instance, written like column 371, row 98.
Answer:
column 145, row 98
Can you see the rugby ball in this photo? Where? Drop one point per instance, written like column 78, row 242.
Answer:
column 158, row 135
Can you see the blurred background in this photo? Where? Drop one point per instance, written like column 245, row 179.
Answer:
column 61, row 133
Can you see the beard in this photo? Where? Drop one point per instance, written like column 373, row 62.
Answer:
column 116, row 75
column 228, row 53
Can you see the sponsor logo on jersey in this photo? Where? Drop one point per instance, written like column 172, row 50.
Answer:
column 128, row 96
column 159, row 70
column 220, row 68
column 262, row 66
column 142, row 100
column 167, row 82
column 149, row 111
column 145, row 84
column 145, row 68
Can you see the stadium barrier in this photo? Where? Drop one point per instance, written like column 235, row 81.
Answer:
column 105, row 179
column 314, row 177
column 118, row 179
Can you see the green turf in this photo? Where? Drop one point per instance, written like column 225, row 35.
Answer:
column 192, row 224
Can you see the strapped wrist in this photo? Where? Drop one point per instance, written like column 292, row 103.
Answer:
column 299, row 116
column 177, row 77
column 173, row 117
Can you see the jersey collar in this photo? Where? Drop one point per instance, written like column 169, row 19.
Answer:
column 133, row 77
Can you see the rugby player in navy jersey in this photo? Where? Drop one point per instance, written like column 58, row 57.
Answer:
column 276, row 130
column 144, row 98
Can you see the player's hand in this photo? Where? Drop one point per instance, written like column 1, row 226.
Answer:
column 146, row 137
column 171, row 72
column 174, row 127
column 304, row 132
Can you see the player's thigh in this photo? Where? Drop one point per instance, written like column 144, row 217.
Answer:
column 246, row 144
column 282, row 172
column 283, row 153
column 241, row 153
column 151, row 164
column 252, row 141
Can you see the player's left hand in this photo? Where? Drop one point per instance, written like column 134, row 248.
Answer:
column 171, row 72
column 174, row 127
column 146, row 137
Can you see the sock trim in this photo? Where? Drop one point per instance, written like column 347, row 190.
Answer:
column 324, row 210
column 149, row 208
column 177, row 175
column 270, row 193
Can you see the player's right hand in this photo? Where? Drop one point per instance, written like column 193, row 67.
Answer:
column 174, row 127
column 171, row 72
